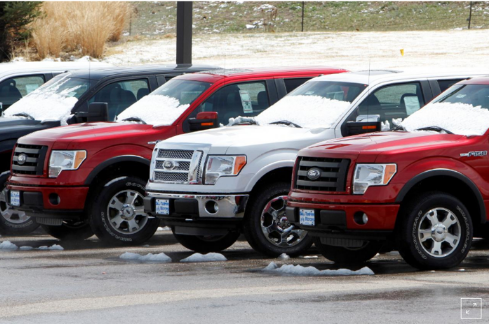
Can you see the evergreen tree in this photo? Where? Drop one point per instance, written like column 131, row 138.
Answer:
column 15, row 16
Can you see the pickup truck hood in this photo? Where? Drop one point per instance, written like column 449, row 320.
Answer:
column 13, row 128
column 91, row 132
column 244, row 139
column 379, row 143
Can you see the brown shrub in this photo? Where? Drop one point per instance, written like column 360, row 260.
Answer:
column 84, row 26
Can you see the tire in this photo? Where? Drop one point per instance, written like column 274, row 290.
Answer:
column 429, row 219
column 117, row 213
column 345, row 255
column 266, row 227
column 207, row 244
column 70, row 231
column 13, row 223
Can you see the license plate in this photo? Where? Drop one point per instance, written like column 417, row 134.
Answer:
column 162, row 206
column 306, row 217
column 15, row 198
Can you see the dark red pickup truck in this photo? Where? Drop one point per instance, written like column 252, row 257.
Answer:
column 423, row 191
column 90, row 178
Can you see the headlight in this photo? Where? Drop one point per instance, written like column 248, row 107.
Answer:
column 367, row 175
column 65, row 160
column 219, row 166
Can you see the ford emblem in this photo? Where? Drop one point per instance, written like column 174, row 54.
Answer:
column 314, row 174
column 22, row 159
column 171, row 165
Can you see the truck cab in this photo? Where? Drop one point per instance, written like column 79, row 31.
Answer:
column 422, row 189
column 90, row 178
column 211, row 186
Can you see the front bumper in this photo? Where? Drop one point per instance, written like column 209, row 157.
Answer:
column 188, row 213
column 65, row 203
column 339, row 220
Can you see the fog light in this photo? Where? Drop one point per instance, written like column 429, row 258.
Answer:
column 211, row 207
column 361, row 218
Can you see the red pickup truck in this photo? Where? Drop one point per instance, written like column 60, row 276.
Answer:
column 423, row 191
column 90, row 178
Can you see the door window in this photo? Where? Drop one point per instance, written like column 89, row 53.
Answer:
column 13, row 89
column 121, row 95
column 291, row 84
column 392, row 102
column 240, row 99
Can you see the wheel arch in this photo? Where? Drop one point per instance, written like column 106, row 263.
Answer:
column 281, row 174
column 451, row 182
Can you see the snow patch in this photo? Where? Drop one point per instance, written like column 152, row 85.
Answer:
column 298, row 270
column 161, row 257
column 305, row 111
column 7, row 245
column 209, row 257
column 155, row 110
column 54, row 247
column 459, row 118
column 26, row 248
column 165, row 228
column 284, row 256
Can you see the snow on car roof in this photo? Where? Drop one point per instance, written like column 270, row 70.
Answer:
column 19, row 68
column 379, row 76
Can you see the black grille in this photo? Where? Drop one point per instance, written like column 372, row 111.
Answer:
column 171, row 177
column 333, row 174
column 175, row 154
column 35, row 155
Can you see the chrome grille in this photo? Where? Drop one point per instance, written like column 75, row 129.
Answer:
column 182, row 166
column 170, row 177
column 333, row 174
column 34, row 159
column 175, row 154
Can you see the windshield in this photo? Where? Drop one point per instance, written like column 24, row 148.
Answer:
column 462, row 109
column 52, row 101
column 166, row 104
column 315, row 104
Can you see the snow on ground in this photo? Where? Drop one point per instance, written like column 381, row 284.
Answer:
column 459, row 118
column 209, row 257
column 155, row 110
column 165, row 228
column 26, row 248
column 352, row 50
column 305, row 111
column 7, row 245
column 299, row 270
column 161, row 257
column 284, row 256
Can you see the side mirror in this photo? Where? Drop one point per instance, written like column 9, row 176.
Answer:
column 204, row 120
column 364, row 124
column 97, row 111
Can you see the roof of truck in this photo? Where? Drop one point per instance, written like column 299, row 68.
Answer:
column 379, row 76
column 245, row 73
column 479, row 80
column 100, row 73
column 23, row 68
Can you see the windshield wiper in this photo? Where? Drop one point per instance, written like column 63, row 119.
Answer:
column 436, row 129
column 286, row 122
column 25, row 115
column 134, row 119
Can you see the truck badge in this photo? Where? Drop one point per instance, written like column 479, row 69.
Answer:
column 314, row 174
column 474, row 153
column 22, row 158
column 171, row 165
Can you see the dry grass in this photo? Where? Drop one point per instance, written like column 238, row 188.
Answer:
column 79, row 26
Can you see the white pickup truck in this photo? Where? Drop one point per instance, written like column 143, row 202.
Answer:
column 210, row 186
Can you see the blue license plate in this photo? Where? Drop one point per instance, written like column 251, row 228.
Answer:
column 15, row 198
column 306, row 217
column 162, row 206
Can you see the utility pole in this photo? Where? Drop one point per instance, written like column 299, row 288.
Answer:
column 184, row 22
column 302, row 18
column 469, row 17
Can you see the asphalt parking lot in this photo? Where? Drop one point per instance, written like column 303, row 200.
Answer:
column 88, row 282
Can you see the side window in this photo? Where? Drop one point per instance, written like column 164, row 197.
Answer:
column 13, row 89
column 445, row 84
column 121, row 95
column 240, row 99
column 391, row 102
column 291, row 84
